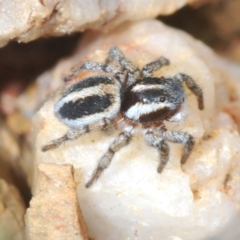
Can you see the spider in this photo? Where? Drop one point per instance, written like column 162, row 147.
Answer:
column 139, row 97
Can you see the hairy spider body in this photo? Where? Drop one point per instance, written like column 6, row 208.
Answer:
column 152, row 100
column 96, row 102
column 89, row 101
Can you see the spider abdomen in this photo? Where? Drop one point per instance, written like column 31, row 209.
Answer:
column 152, row 99
column 89, row 101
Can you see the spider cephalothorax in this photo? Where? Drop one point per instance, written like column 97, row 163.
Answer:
column 96, row 102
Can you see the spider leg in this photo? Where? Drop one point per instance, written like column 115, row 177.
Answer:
column 196, row 90
column 163, row 148
column 183, row 138
column 148, row 69
column 93, row 66
column 133, row 72
column 120, row 141
column 71, row 134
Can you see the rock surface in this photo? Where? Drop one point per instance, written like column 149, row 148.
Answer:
column 51, row 17
column 131, row 200
column 55, row 193
column 12, row 210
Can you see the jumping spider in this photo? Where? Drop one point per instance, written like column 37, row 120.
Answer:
column 97, row 101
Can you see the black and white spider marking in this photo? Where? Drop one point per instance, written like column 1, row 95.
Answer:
column 139, row 97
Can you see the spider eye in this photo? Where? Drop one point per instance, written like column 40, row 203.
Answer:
column 162, row 99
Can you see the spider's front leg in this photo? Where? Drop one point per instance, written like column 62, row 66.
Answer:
column 149, row 68
column 181, row 137
column 133, row 72
column 122, row 140
column 163, row 148
column 196, row 90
